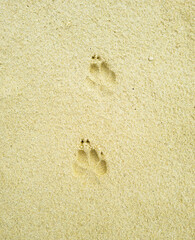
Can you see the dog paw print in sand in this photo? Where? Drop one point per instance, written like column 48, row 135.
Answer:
column 101, row 76
column 89, row 165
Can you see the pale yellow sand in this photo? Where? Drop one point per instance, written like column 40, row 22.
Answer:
column 119, row 75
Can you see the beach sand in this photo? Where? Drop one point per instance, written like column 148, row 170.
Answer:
column 96, row 120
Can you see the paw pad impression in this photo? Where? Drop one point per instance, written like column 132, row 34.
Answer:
column 89, row 161
column 101, row 75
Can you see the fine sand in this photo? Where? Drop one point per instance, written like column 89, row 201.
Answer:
column 96, row 120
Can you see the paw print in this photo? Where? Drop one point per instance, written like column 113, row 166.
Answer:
column 89, row 164
column 100, row 75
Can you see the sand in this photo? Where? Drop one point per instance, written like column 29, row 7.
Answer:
column 96, row 120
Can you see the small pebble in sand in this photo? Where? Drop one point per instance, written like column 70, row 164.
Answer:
column 150, row 58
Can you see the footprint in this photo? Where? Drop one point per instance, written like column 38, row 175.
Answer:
column 89, row 165
column 107, row 74
column 94, row 158
column 101, row 168
column 82, row 158
column 101, row 76
column 77, row 170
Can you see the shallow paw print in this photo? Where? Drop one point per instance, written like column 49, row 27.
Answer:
column 89, row 165
column 97, row 164
column 101, row 76
column 78, row 170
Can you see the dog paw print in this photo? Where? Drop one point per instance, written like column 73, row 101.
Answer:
column 89, row 163
column 100, row 75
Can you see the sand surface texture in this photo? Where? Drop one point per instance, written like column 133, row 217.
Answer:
column 96, row 120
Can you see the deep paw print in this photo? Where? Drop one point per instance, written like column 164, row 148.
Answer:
column 89, row 164
column 101, row 76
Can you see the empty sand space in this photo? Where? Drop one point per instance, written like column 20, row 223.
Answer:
column 97, row 117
